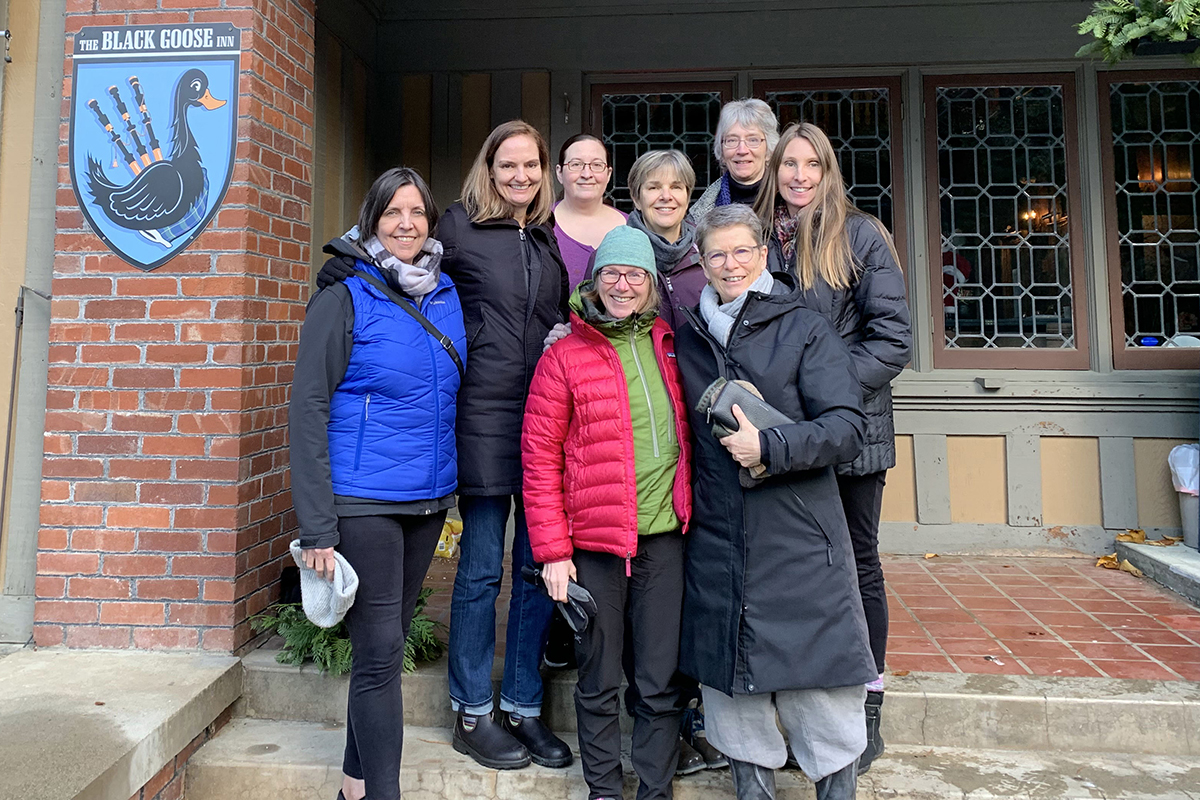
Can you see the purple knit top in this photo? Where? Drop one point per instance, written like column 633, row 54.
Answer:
column 575, row 254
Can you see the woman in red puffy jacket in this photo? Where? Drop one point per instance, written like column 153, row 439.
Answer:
column 607, row 487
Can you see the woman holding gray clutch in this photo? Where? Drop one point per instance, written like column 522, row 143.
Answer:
column 772, row 620
column 848, row 270
column 605, row 449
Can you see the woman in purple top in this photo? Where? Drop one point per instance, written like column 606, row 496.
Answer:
column 581, row 219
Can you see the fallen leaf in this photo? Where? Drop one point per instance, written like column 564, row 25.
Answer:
column 1135, row 535
column 994, row 660
column 1131, row 569
column 931, row 555
column 1108, row 562
column 1166, row 541
column 899, row 673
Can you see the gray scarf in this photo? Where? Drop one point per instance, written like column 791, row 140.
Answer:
column 415, row 280
column 666, row 254
column 720, row 318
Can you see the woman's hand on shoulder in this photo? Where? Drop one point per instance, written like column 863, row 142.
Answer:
column 743, row 444
column 336, row 270
column 556, row 575
column 560, row 331
column 321, row 560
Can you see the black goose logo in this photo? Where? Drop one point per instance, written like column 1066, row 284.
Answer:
column 148, row 198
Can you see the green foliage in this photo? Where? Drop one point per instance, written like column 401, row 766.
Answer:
column 1116, row 26
column 329, row 648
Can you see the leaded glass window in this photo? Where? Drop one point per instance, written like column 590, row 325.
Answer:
column 1002, row 196
column 1156, row 149
column 632, row 124
column 858, row 123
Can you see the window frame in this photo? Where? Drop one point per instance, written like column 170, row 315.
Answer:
column 895, row 86
column 1077, row 358
column 1125, row 358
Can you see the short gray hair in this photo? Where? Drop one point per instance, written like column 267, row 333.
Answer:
column 729, row 216
column 649, row 163
column 749, row 112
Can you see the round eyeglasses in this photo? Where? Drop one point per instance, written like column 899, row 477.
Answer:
column 718, row 258
column 575, row 165
column 610, row 277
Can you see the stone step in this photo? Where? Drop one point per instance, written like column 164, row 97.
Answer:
column 999, row 712
column 302, row 761
column 1177, row 567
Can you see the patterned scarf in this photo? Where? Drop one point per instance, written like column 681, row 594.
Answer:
column 666, row 254
column 723, row 192
column 415, row 280
column 785, row 229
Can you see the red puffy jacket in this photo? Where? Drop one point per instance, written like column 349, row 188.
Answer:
column 577, row 446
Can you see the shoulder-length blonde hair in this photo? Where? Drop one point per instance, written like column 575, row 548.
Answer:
column 479, row 195
column 822, row 244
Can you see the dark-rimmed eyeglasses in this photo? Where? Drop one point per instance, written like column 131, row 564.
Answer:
column 610, row 277
column 575, row 165
column 718, row 258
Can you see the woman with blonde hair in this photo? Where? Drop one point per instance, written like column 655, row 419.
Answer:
column 502, row 256
column 847, row 269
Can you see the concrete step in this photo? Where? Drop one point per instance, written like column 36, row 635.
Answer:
column 1176, row 567
column 927, row 709
column 253, row 759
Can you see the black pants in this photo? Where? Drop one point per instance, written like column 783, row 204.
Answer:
column 391, row 555
column 651, row 598
column 862, row 500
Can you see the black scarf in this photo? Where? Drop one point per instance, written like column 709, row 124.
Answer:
column 666, row 254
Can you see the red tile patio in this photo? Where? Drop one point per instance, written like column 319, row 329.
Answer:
column 1013, row 616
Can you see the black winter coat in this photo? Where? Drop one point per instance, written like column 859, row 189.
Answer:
column 771, row 598
column 513, row 287
column 872, row 317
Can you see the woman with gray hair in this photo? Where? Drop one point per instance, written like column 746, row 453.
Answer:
column 747, row 132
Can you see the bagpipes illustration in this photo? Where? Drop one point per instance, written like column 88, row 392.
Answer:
column 167, row 196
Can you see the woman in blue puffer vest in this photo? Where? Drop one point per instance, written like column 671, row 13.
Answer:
column 374, row 465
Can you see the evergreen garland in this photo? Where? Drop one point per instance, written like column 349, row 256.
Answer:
column 1117, row 25
column 329, row 648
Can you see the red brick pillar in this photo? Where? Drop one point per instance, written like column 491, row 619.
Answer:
column 166, row 509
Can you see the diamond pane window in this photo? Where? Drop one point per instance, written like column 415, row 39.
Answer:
column 859, row 124
column 1002, row 200
column 1156, row 152
column 633, row 124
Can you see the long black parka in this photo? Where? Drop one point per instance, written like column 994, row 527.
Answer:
column 771, row 597
column 513, row 287
column 872, row 317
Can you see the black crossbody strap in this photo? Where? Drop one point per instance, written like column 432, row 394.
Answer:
column 412, row 311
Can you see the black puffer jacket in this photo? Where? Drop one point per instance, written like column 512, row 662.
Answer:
column 872, row 317
column 513, row 287
column 771, row 597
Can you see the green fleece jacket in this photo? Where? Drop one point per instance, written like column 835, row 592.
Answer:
column 655, row 448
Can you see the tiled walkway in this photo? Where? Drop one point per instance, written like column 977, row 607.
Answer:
column 1040, row 616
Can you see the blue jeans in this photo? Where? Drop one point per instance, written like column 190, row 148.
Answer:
column 473, row 613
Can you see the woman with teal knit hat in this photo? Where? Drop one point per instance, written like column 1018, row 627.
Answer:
column 605, row 449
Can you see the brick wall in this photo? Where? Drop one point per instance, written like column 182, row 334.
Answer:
column 166, row 509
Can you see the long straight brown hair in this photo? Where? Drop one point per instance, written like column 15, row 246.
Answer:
column 479, row 195
column 823, row 249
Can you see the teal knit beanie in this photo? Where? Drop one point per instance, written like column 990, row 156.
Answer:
column 626, row 247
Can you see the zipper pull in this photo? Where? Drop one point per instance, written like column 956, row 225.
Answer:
column 829, row 551
column 628, row 565
column 367, row 408
column 521, row 231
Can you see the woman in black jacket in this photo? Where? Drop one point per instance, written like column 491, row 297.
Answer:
column 503, row 258
column 848, row 271
column 772, row 619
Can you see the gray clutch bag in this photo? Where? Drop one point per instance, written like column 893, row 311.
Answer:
column 717, row 404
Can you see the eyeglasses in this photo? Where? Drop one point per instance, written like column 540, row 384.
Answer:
column 610, row 277
column 732, row 142
column 742, row 255
column 575, row 165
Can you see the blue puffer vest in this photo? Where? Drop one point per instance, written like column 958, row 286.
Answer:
column 391, row 419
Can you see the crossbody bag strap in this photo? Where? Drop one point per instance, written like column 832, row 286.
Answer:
column 412, row 311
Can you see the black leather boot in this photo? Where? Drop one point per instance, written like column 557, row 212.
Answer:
column 486, row 741
column 841, row 785
column 689, row 760
column 752, row 782
column 544, row 747
column 874, row 709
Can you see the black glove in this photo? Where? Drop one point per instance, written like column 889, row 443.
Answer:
column 336, row 270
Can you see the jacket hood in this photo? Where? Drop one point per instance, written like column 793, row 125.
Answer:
column 348, row 244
